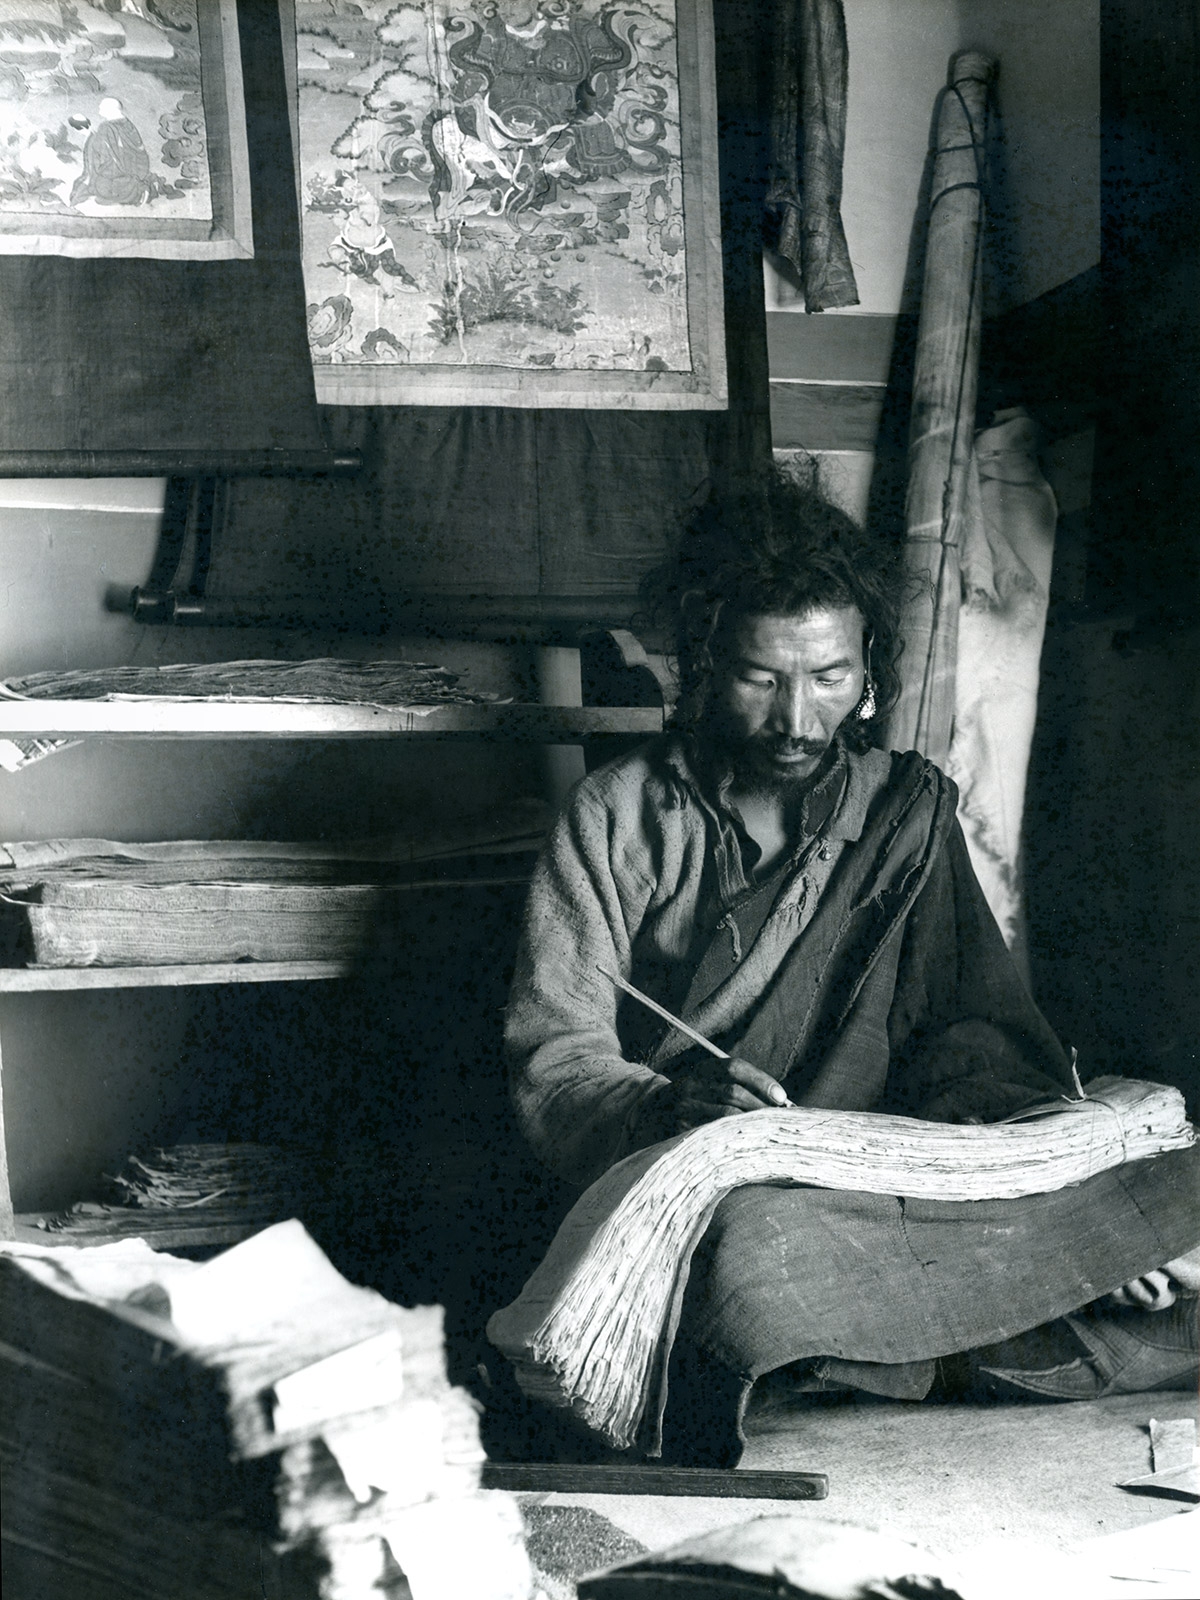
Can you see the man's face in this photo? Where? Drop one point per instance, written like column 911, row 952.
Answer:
column 784, row 686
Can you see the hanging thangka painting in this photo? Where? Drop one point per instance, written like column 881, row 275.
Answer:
column 123, row 130
column 511, row 202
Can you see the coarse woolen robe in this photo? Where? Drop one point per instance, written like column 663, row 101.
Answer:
column 867, row 974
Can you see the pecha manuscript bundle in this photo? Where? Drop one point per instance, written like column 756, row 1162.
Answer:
column 587, row 1332
column 110, row 903
column 251, row 1425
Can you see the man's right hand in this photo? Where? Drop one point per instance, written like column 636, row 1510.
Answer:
column 712, row 1088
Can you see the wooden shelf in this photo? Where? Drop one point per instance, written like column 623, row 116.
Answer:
column 203, row 719
column 49, row 980
column 185, row 1237
column 206, row 719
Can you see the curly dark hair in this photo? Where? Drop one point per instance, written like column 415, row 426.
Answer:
column 779, row 548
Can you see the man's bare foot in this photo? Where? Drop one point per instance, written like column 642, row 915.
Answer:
column 1155, row 1291
column 1186, row 1270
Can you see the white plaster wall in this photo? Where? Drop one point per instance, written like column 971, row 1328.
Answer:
column 89, row 1077
column 899, row 53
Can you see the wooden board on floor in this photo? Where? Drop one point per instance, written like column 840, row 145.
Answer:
column 634, row 1477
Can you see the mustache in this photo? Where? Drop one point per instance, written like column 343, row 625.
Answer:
column 793, row 747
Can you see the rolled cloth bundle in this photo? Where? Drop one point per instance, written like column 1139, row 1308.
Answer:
column 591, row 1328
column 942, row 431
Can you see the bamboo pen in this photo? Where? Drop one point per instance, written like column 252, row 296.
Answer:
column 676, row 1022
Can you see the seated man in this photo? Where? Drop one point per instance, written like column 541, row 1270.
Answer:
column 805, row 901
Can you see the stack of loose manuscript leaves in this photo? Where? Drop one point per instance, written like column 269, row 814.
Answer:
column 199, row 1195
column 325, row 681
column 252, row 1426
column 415, row 686
column 586, row 1331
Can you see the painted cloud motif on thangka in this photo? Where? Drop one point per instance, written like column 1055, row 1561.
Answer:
column 493, row 183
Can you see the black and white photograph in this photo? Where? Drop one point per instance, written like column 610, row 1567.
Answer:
column 599, row 799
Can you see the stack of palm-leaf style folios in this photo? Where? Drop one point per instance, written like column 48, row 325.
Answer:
column 195, row 1174
column 253, row 1426
column 189, row 1196
column 587, row 1329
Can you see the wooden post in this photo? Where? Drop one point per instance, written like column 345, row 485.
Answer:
column 943, row 409
column 559, row 685
column 7, row 1224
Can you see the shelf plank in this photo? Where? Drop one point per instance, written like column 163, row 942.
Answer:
column 854, row 349
column 49, row 980
column 207, row 719
column 186, row 1236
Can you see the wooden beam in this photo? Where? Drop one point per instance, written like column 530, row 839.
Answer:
column 501, row 618
column 173, row 463
column 7, row 1224
column 59, row 980
column 825, row 415
column 209, row 719
column 188, row 1236
column 635, row 1477
column 855, row 348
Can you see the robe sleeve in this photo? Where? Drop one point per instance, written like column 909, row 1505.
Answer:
column 578, row 1101
column 968, row 1042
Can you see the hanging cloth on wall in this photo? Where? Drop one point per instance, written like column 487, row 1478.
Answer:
column 945, row 384
column 562, row 510
column 809, row 77
column 512, row 204
column 123, row 353
column 1006, row 557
